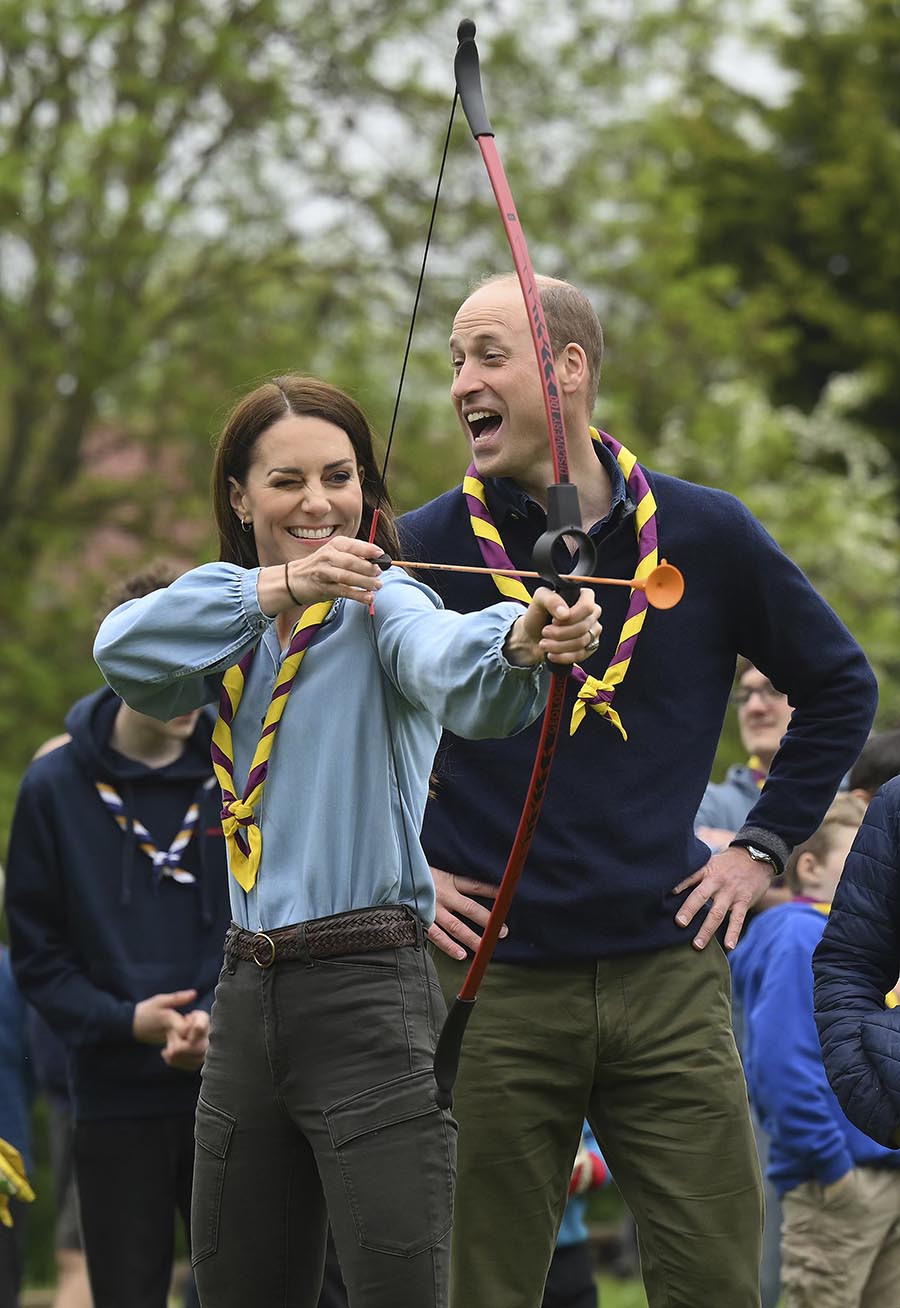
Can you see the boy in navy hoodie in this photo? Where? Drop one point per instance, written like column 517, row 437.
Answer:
column 117, row 902
column 840, row 1191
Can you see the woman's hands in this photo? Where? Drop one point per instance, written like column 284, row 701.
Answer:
column 570, row 635
column 342, row 568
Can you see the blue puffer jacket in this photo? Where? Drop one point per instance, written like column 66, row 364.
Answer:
column 856, row 963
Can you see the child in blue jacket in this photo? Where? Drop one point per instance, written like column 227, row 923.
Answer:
column 840, row 1191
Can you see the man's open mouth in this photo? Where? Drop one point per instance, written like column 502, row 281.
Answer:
column 483, row 422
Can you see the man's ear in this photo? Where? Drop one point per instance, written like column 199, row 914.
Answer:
column 571, row 368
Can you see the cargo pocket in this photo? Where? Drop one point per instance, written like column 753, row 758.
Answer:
column 212, row 1135
column 397, row 1154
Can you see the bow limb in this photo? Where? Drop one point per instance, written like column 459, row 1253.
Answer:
column 563, row 520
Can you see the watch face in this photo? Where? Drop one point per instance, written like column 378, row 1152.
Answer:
column 759, row 855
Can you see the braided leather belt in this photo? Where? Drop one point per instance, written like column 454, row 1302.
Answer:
column 360, row 931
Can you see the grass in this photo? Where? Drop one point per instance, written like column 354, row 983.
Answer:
column 620, row 1294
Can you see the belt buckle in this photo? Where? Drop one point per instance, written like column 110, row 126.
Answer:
column 254, row 945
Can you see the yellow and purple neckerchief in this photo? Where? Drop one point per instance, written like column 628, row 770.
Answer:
column 596, row 692
column 242, row 834
column 754, row 763
column 166, row 862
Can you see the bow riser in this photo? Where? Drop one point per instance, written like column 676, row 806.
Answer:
column 563, row 520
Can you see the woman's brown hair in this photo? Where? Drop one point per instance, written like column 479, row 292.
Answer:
column 305, row 397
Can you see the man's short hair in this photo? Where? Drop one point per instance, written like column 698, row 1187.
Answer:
column 878, row 762
column 846, row 811
column 570, row 317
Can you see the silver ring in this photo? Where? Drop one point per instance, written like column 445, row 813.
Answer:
column 593, row 644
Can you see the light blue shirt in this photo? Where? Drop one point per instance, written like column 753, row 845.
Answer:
column 342, row 807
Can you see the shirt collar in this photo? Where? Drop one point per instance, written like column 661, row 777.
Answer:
column 514, row 501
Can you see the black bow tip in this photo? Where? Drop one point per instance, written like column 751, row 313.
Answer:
column 465, row 31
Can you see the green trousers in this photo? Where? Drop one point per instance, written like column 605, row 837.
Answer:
column 641, row 1046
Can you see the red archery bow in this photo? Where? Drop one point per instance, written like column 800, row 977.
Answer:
column 563, row 519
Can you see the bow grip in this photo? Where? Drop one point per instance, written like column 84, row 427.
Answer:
column 468, row 80
column 564, row 519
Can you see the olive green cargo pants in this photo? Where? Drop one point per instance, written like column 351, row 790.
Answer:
column 642, row 1046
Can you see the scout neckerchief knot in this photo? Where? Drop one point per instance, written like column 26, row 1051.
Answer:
column 596, row 692
column 166, row 862
column 242, row 833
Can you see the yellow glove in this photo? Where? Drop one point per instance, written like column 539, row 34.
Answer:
column 13, row 1181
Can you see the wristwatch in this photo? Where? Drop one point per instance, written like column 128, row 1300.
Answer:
column 759, row 856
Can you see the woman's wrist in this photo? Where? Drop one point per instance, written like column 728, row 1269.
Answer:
column 518, row 648
column 272, row 593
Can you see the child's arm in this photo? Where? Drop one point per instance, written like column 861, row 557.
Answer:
column 794, row 1101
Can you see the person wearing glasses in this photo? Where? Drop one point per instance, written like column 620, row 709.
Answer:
column 764, row 715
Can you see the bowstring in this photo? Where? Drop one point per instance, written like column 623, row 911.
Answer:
column 382, row 491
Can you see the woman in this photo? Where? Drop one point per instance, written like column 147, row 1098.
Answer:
column 317, row 1094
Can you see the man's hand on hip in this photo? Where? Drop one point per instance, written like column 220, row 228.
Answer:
column 454, row 903
column 734, row 882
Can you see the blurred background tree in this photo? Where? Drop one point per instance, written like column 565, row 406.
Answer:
column 198, row 193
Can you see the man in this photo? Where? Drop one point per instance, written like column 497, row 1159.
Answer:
column 118, row 904
column 596, row 1005
column 764, row 716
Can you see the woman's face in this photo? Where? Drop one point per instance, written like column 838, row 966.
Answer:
column 303, row 486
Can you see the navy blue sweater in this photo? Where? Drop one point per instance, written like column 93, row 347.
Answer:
column 855, row 965
column 92, row 930
column 616, row 833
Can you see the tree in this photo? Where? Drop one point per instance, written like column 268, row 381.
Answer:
column 806, row 196
column 823, row 486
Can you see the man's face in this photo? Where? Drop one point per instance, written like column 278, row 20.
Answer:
column 496, row 387
column 763, row 715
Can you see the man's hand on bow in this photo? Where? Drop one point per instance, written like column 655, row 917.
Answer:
column 449, row 932
column 734, row 882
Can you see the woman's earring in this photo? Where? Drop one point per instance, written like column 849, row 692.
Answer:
column 246, row 524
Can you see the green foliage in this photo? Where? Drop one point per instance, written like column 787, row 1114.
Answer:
column 620, row 1294
column 806, row 197
column 823, row 486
